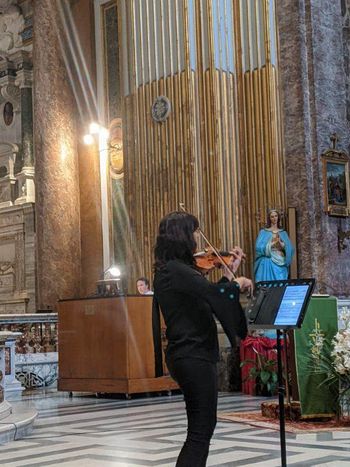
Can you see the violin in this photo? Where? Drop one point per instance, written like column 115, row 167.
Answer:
column 215, row 258
column 208, row 260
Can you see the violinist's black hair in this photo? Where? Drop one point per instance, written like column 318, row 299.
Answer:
column 175, row 238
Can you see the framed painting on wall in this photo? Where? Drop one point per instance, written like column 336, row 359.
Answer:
column 336, row 182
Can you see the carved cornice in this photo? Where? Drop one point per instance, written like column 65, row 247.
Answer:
column 21, row 59
column 11, row 220
column 24, row 79
column 11, row 93
column 17, row 70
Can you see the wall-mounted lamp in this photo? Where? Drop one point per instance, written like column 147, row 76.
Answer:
column 112, row 273
column 95, row 129
column 88, row 139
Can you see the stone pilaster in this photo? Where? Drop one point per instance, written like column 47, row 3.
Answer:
column 314, row 106
column 56, row 163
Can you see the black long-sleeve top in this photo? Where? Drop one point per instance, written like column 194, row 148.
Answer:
column 188, row 302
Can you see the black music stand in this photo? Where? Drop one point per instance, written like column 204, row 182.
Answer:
column 280, row 305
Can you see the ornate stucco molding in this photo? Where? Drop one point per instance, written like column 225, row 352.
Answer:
column 11, row 93
column 12, row 25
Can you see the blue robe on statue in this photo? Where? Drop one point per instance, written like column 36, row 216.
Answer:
column 269, row 264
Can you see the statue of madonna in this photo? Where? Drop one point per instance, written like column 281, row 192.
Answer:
column 273, row 251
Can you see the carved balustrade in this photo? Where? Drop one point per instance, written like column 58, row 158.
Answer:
column 36, row 348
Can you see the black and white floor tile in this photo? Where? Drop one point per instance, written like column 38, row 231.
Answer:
column 96, row 432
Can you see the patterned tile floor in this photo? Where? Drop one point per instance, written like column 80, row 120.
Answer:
column 96, row 432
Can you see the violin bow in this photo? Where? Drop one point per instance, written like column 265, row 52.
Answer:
column 216, row 252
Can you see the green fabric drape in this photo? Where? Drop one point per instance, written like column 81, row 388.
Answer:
column 321, row 317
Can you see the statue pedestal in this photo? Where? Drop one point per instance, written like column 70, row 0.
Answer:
column 12, row 385
column 8, row 381
column 26, row 186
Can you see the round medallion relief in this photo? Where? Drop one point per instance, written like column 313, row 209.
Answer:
column 161, row 109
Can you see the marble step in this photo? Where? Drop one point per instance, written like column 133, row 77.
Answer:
column 18, row 424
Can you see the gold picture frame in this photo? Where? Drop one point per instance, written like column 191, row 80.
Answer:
column 336, row 181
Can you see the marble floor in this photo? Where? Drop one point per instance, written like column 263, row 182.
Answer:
column 100, row 432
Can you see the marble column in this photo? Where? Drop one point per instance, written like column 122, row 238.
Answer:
column 314, row 106
column 56, row 163
column 27, row 126
column 24, row 80
column 89, row 158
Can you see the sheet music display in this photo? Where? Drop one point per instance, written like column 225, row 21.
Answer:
column 279, row 304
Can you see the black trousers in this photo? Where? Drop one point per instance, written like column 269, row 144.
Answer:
column 198, row 381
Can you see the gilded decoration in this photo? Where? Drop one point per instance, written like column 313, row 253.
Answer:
column 116, row 158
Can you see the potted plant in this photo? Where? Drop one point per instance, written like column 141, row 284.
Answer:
column 264, row 371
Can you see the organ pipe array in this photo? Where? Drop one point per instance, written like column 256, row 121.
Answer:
column 220, row 149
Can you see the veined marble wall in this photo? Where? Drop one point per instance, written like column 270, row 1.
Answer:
column 313, row 81
column 56, row 163
column 345, row 4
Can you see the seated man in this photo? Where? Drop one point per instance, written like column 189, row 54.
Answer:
column 142, row 285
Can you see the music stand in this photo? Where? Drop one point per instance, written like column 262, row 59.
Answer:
column 280, row 305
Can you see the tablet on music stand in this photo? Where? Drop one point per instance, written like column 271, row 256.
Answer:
column 280, row 304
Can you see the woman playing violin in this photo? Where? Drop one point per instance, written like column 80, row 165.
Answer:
column 189, row 302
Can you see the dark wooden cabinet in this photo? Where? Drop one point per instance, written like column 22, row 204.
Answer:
column 106, row 345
